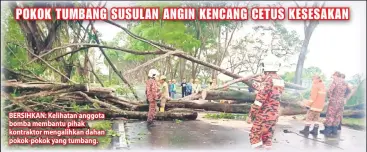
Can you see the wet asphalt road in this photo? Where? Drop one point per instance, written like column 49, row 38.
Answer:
column 198, row 135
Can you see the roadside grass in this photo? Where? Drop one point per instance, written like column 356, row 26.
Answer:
column 225, row 116
column 355, row 123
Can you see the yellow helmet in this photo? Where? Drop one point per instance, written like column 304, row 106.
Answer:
column 163, row 77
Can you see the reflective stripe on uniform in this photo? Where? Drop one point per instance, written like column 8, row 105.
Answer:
column 278, row 83
column 321, row 92
column 258, row 103
column 257, row 144
column 316, row 109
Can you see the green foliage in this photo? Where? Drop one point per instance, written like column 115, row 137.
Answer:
column 355, row 123
column 177, row 121
column 46, row 99
column 225, row 116
column 104, row 141
column 173, row 33
column 123, row 91
column 75, row 107
column 359, row 97
column 14, row 50
column 307, row 73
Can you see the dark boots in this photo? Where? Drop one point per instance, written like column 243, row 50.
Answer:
column 150, row 124
column 340, row 126
column 315, row 130
column 306, row 130
column 334, row 130
column 329, row 131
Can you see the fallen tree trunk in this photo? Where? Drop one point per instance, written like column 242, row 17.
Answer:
column 48, row 97
column 356, row 107
column 239, row 96
column 160, row 115
column 350, row 114
column 285, row 109
column 201, row 104
column 34, row 87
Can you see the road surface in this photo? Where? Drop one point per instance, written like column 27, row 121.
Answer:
column 206, row 134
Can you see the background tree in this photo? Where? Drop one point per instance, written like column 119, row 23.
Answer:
column 249, row 51
column 307, row 73
column 309, row 27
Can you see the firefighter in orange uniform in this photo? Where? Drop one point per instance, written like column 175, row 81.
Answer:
column 315, row 105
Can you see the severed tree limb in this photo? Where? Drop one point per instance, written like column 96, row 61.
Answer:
column 50, row 66
column 109, row 106
column 113, row 66
column 50, row 92
column 7, row 70
column 152, row 61
column 204, row 92
column 21, row 105
column 123, row 104
column 88, row 45
column 234, row 81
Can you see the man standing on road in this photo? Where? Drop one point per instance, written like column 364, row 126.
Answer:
column 265, row 109
column 315, row 106
column 164, row 93
column 152, row 95
column 336, row 95
column 183, row 87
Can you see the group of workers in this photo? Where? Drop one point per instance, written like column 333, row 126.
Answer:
column 193, row 86
column 338, row 94
column 265, row 109
column 264, row 112
column 187, row 88
column 164, row 91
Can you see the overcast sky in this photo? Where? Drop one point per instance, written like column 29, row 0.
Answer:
column 335, row 45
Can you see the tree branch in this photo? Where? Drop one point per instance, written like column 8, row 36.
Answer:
column 57, row 71
column 113, row 66
column 152, row 61
column 155, row 44
column 89, row 45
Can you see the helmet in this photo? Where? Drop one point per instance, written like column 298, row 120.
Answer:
column 163, row 77
column 270, row 63
column 153, row 73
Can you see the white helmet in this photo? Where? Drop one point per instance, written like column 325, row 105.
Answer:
column 270, row 63
column 153, row 73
